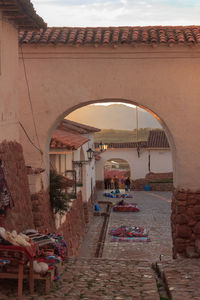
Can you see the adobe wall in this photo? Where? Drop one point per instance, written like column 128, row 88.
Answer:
column 9, row 74
column 160, row 79
column 20, row 216
column 163, row 79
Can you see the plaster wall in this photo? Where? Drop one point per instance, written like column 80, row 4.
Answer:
column 9, row 73
column 88, row 170
column 63, row 162
column 162, row 79
column 161, row 161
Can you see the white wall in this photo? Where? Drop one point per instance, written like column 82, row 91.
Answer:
column 88, row 169
column 62, row 162
column 89, row 181
column 161, row 161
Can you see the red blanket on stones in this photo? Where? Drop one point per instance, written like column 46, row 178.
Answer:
column 126, row 208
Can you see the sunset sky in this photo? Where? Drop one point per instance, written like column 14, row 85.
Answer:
column 118, row 12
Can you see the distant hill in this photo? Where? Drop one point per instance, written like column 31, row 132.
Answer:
column 121, row 136
column 115, row 116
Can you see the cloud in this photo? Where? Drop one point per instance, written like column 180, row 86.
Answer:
column 118, row 12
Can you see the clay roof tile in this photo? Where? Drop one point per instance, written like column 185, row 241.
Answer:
column 115, row 36
column 164, row 35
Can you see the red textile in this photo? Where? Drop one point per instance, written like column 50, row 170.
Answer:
column 125, row 208
column 19, row 253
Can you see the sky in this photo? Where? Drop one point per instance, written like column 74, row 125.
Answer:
column 113, row 116
column 93, row 13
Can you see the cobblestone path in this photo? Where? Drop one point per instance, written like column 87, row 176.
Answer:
column 101, row 279
column 125, row 269
column 154, row 215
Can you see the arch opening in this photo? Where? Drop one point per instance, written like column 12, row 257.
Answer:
column 133, row 158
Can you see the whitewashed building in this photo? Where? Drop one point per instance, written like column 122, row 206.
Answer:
column 68, row 155
column 153, row 155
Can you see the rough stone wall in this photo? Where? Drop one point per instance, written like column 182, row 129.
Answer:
column 89, row 208
column 139, row 184
column 74, row 227
column 159, row 186
column 185, row 220
column 158, row 176
column 20, row 216
column 42, row 212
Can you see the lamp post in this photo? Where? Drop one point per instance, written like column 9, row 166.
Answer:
column 102, row 147
column 90, row 154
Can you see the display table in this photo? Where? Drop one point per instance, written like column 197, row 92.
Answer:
column 20, row 256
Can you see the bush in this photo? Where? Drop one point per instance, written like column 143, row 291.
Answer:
column 59, row 198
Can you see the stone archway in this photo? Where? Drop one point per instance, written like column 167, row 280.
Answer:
column 184, row 238
column 117, row 167
column 147, row 77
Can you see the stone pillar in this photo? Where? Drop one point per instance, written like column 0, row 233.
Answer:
column 185, row 220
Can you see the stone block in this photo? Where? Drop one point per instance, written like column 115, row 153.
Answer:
column 197, row 246
column 196, row 209
column 191, row 252
column 183, row 231
column 181, row 219
column 197, row 228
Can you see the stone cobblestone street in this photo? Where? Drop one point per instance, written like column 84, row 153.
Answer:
column 154, row 215
column 125, row 272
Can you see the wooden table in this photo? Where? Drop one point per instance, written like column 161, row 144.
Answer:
column 20, row 255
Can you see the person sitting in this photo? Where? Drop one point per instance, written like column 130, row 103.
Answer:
column 121, row 202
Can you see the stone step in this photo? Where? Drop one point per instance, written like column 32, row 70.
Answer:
column 102, row 279
column 182, row 278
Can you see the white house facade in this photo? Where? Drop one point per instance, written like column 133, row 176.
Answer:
column 142, row 157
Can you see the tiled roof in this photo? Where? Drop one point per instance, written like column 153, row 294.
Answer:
column 69, row 36
column 66, row 140
column 157, row 139
column 142, row 144
column 22, row 13
column 72, row 126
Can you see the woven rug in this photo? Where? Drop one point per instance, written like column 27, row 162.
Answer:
column 129, row 234
column 130, row 239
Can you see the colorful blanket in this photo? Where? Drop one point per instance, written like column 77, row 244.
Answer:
column 113, row 195
column 130, row 239
column 129, row 233
column 126, row 208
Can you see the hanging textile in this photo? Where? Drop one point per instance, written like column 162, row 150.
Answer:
column 6, row 200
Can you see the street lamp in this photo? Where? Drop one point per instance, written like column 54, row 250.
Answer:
column 102, row 147
column 90, row 154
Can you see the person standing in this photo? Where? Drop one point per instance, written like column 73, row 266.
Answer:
column 127, row 184
column 122, row 182
column 108, row 182
column 116, row 182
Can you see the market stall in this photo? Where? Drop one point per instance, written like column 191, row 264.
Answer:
column 31, row 255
